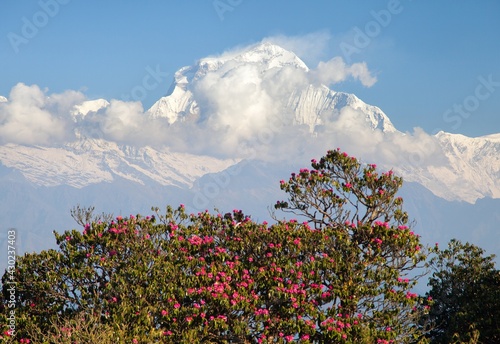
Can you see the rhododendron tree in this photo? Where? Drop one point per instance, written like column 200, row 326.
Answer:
column 338, row 273
column 364, row 224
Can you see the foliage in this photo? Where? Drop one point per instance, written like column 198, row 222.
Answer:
column 359, row 207
column 340, row 276
column 465, row 289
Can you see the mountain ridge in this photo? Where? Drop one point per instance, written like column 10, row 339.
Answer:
column 91, row 161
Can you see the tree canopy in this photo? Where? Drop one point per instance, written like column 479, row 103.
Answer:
column 342, row 271
column 465, row 289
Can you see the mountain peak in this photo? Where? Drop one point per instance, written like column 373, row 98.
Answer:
column 265, row 54
column 261, row 72
column 180, row 103
column 83, row 109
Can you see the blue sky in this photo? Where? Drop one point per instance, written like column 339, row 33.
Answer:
column 437, row 62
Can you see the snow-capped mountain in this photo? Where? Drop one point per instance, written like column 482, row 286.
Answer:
column 308, row 104
column 471, row 172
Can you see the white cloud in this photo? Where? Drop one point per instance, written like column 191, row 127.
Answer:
column 336, row 70
column 32, row 117
column 122, row 121
column 313, row 48
column 350, row 132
